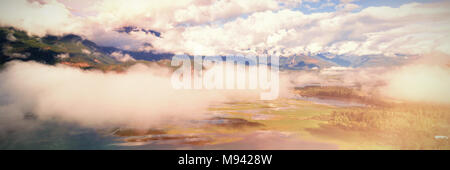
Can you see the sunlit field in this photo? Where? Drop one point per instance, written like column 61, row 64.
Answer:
column 306, row 124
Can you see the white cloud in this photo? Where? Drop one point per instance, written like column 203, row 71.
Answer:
column 122, row 57
column 347, row 1
column 236, row 26
column 419, row 82
column 10, row 37
column 86, row 51
column 347, row 7
column 63, row 56
column 410, row 29
column 140, row 97
column 38, row 17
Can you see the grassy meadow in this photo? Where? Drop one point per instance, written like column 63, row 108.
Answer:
column 380, row 124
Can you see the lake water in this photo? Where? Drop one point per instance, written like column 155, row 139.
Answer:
column 53, row 135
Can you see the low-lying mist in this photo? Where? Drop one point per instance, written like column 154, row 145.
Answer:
column 141, row 97
column 426, row 79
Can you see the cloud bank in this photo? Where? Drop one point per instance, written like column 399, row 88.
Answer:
column 200, row 27
column 141, row 97
column 423, row 80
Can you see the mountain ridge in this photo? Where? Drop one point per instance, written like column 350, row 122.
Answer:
column 71, row 49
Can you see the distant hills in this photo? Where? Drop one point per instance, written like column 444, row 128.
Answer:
column 75, row 51
column 324, row 60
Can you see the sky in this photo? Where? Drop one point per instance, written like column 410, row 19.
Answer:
column 315, row 6
column 244, row 27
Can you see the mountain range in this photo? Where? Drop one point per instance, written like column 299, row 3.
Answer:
column 75, row 51
column 68, row 49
